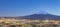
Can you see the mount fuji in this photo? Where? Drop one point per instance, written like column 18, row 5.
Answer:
column 42, row 15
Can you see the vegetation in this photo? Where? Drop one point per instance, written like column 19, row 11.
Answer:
column 0, row 26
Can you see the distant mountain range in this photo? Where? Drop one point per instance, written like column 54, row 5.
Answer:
column 42, row 16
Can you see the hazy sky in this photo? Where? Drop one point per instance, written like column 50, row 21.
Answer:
column 28, row 7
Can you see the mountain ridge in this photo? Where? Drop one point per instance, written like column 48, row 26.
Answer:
column 42, row 16
column 37, row 16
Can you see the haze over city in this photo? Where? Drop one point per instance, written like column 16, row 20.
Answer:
column 28, row 7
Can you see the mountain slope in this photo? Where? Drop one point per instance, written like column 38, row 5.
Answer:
column 42, row 16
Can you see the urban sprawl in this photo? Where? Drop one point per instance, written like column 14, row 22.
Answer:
column 5, row 22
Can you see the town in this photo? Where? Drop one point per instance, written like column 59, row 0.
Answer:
column 28, row 23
